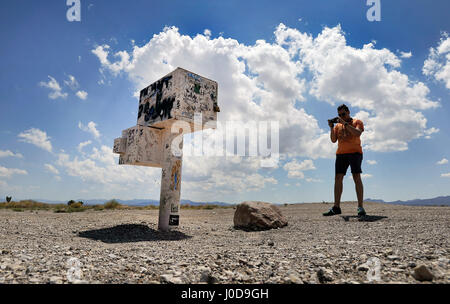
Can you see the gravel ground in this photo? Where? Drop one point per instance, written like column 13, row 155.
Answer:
column 124, row 246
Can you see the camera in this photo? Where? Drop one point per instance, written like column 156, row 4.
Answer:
column 333, row 120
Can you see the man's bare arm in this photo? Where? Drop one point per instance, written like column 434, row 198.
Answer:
column 333, row 136
column 353, row 130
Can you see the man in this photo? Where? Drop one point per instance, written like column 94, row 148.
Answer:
column 347, row 133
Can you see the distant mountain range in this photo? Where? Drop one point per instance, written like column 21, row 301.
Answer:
column 134, row 202
column 436, row 201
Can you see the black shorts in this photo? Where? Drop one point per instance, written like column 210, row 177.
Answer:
column 353, row 160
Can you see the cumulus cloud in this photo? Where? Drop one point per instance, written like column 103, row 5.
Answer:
column 55, row 88
column 71, row 82
column 8, row 153
column 371, row 162
column 437, row 64
column 366, row 78
column 8, row 172
column 442, row 161
column 270, row 81
column 247, row 84
column 295, row 169
column 313, row 180
column 405, row 54
column 83, row 144
column 51, row 168
column 82, row 95
column 102, row 52
column 91, row 127
column 36, row 137
column 101, row 167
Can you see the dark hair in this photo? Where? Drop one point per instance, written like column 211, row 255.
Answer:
column 343, row 107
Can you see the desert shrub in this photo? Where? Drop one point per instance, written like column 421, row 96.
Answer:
column 71, row 202
column 25, row 204
column 76, row 205
column 112, row 204
column 60, row 210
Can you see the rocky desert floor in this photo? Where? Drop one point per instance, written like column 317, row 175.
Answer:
column 124, row 246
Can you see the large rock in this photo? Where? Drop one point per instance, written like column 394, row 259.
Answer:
column 254, row 215
column 422, row 273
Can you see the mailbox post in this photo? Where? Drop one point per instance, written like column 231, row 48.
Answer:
column 178, row 96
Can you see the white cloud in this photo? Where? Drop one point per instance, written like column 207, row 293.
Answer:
column 445, row 174
column 51, row 169
column 90, row 128
column 442, row 161
column 248, row 86
column 8, row 172
column 101, row 167
column 36, row 137
column 371, row 162
column 8, row 153
column 102, row 53
column 366, row 78
column 437, row 64
column 313, row 180
column 53, row 85
column 405, row 54
column 295, row 169
column 363, row 176
column 83, row 144
column 82, row 95
column 71, row 82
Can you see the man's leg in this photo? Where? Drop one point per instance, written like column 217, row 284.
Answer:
column 338, row 186
column 359, row 188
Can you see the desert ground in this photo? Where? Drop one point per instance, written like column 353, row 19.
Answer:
column 124, row 246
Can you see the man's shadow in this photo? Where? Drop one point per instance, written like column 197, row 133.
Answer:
column 127, row 233
column 365, row 218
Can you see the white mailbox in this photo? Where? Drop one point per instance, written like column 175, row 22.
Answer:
column 178, row 96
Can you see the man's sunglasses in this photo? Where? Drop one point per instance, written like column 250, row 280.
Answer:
column 342, row 114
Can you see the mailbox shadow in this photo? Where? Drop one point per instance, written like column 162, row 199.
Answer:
column 128, row 233
column 366, row 218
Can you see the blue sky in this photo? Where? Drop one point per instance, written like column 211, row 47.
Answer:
column 62, row 106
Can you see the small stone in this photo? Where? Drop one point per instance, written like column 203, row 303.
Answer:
column 393, row 257
column 293, row 279
column 362, row 267
column 412, row 264
column 388, row 251
column 55, row 280
column 170, row 279
column 396, row 270
column 422, row 273
column 324, row 275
